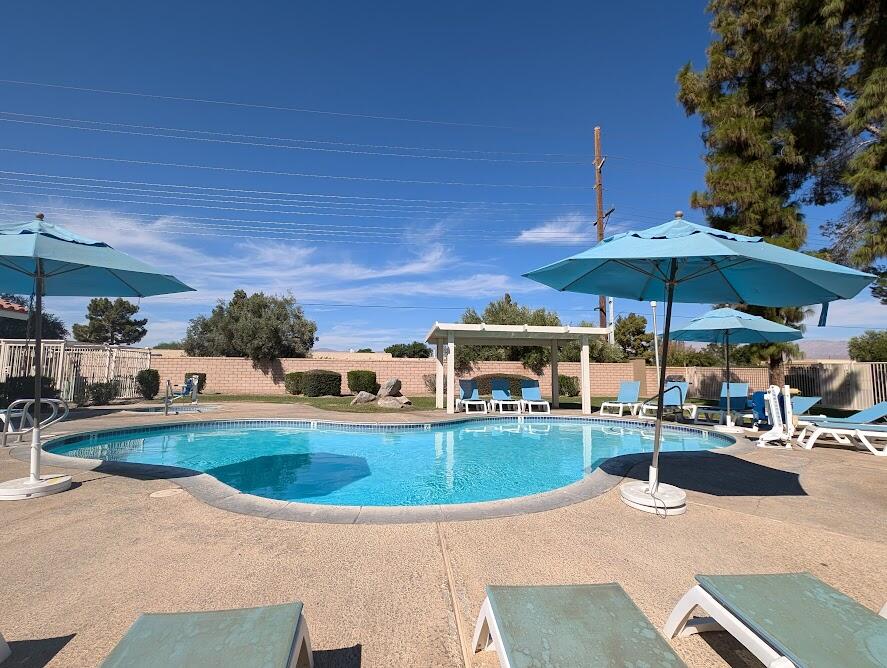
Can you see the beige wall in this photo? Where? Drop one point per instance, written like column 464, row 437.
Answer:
column 231, row 375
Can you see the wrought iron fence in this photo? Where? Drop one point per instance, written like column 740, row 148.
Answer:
column 73, row 365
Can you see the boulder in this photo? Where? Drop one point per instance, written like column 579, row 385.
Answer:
column 363, row 398
column 393, row 402
column 391, row 388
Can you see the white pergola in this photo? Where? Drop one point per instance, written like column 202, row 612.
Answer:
column 446, row 335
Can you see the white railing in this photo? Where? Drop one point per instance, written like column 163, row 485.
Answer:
column 72, row 365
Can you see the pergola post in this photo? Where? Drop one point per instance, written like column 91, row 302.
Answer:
column 439, row 375
column 451, row 372
column 585, row 375
column 555, row 381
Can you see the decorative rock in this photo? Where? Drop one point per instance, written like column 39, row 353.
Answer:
column 393, row 402
column 391, row 388
column 363, row 398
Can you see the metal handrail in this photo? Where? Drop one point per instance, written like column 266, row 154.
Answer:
column 21, row 408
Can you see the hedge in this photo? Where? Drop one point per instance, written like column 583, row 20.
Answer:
column 321, row 383
column 101, row 394
column 294, row 382
column 201, row 380
column 569, row 385
column 148, row 383
column 362, row 381
column 484, row 383
column 22, row 387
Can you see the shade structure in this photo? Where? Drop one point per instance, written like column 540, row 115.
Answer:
column 684, row 262
column 727, row 326
column 43, row 259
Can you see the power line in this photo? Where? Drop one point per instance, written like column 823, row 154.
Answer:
column 252, row 105
column 240, row 142
column 268, row 172
column 293, row 194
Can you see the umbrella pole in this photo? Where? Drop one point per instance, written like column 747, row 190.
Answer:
column 38, row 372
column 663, row 368
column 728, row 418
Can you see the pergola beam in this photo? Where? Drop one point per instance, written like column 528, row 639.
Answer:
column 481, row 334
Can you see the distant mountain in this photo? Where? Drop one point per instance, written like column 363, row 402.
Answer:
column 822, row 349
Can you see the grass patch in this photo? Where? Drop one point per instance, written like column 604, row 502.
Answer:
column 323, row 403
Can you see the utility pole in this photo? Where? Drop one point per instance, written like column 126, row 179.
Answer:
column 599, row 191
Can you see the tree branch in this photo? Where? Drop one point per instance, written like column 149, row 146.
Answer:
column 841, row 104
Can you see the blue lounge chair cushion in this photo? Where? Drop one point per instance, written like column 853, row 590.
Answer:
column 803, row 618
column 218, row 639
column 628, row 391
column 500, row 390
column 871, row 414
column 861, row 426
column 801, row 405
column 468, row 390
column 738, row 396
column 675, row 397
column 529, row 390
column 576, row 625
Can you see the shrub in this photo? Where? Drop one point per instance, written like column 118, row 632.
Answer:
column 321, row 383
column 148, row 383
column 201, row 380
column 484, row 383
column 294, row 382
column 569, row 385
column 101, row 394
column 414, row 349
column 362, row 381
column 22, row 387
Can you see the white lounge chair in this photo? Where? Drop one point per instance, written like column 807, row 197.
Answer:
column 844, row 432
column 502, row 398
column 531, row 396
column 469, row 397
column 627, row 398
column 784, row 619
column 672, row 401
column 569, row 625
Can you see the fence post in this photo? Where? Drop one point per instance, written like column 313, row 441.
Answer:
column 639, row 373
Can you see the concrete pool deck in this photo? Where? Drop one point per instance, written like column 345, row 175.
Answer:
column 80, row 566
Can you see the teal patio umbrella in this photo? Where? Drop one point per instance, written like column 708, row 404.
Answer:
column 43, row 259
column 727, row 326
column 685, row 262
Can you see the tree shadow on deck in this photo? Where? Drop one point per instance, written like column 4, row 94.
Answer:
column 718, row 474
column 35, row 653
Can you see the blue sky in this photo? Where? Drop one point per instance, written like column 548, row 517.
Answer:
column 388, row 163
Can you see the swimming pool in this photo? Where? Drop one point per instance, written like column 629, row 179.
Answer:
column 387, row 464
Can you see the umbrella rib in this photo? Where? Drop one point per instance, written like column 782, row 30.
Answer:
column 583, row 276
column 12, row 265
column 113, row 273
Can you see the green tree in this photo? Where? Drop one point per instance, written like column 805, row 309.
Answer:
column 506, row 311
column 777, row 106
column 631, row 335
column 364, row 350
column 414, row 349
column 170, row 345
column 52, row 325
column 599, row 350
column 259, row 326
column 111, row 323
column 870, row 346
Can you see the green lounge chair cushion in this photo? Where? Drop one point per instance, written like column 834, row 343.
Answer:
column 261, row 637
column 576, row 625
column 803, row 618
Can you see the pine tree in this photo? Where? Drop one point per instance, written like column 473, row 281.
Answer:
column 792, row 104
column 111, row 323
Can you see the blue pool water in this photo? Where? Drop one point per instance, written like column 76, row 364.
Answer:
column 346, row 465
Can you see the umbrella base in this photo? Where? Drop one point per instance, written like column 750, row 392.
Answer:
column 728, row 429
column 25, row 488
column 669, row 500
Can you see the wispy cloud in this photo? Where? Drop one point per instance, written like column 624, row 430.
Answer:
column 571, row 228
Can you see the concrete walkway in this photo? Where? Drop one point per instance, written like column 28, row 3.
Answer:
column 77, row 568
